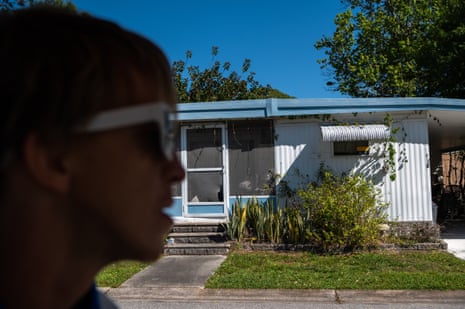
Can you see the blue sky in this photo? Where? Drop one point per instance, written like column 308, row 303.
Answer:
column 278, row 36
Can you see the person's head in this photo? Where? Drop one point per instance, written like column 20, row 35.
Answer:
column 61, row 70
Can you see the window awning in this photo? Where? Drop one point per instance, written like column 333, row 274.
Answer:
column 347, row 133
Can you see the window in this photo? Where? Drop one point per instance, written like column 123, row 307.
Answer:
column 251, row 157
column 353, row 139
column 361, row 132
column 351, row 148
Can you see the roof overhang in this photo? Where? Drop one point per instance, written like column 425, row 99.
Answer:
column 446, row 129
column 446, row 124
column 275, row 108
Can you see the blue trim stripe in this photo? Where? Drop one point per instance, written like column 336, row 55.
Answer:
column 205, row 209
column 269, row 108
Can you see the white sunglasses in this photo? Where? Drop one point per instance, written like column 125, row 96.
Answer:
column 160, row 113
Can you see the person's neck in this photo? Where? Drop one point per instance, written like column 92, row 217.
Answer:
column 39, row 266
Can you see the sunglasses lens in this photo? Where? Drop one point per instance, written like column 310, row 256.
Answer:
column 160, row 114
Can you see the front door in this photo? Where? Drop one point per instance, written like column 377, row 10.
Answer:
column 204, row 156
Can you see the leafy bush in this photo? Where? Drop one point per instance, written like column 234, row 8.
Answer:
column 343, row 212
column 333, row 214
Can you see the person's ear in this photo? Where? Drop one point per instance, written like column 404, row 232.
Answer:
column 46, row 164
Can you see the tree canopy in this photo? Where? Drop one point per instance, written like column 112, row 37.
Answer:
column 8, row 5
column 443, row 57
column 397, row 48
column 218, row 82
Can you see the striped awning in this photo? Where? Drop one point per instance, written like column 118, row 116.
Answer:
column 344, row 133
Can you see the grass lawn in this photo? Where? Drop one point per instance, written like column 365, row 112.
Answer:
column 115, row 274
column 380, row 270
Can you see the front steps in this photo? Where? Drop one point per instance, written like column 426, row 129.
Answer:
column 197, row 239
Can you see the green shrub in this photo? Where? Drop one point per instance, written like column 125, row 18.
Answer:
column 333, row 214
column 343, row 212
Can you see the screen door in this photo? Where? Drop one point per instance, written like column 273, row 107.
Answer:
column 204, row 157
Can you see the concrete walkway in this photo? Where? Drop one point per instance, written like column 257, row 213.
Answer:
column 173, row 277
column 177, row 271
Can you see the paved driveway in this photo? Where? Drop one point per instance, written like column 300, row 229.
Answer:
column 454, row 235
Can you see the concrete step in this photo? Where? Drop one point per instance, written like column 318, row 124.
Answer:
column 197, row 227
column 197, row 237
column 197, row 249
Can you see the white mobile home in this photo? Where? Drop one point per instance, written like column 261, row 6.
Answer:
column 235, row 149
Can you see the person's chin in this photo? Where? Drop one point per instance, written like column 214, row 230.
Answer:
column 151, row 243
column 157, row 241
column 162, row 225
column 151, row 252
column 147, row 247
column 153, row 256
